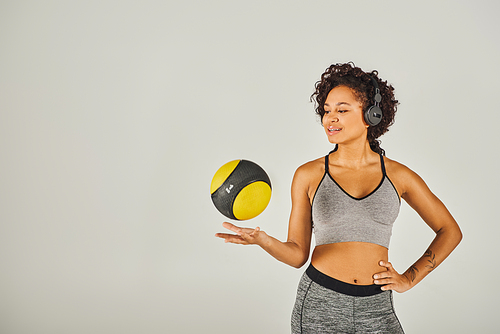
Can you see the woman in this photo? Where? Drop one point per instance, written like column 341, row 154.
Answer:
column 351, row 198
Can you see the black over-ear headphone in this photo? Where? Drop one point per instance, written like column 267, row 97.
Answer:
column 373, row 115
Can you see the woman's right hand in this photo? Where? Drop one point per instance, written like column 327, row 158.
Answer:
column 242, row 236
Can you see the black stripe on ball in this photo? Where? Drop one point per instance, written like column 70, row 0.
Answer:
column 245, row 173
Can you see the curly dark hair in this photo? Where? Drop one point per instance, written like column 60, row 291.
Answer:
column 360, row 82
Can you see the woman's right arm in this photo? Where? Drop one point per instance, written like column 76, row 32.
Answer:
column 295, row 251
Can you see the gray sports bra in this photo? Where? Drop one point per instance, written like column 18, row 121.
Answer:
column 339, row 217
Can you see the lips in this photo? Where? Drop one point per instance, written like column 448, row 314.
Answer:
column 333, row 130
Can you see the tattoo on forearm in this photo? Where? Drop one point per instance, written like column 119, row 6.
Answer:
column 412, row 272
column 431, row 259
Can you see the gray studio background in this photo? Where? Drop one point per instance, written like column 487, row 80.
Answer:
column 114, row 116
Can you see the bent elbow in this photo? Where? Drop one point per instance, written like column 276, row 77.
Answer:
column 457, row 234
column 453, row 234
column 297, row 255
column 299, row 264
column 460, row 235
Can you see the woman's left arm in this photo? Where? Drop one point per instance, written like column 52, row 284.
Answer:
column 448, row 235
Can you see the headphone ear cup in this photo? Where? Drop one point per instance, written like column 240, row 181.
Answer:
column 373, row 115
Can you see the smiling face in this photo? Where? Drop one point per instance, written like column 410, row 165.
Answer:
column 343, row 119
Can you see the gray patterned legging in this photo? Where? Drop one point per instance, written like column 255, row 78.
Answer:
column 321, row 310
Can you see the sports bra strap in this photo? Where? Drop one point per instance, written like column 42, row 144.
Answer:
column 326, row 159
column 383, row 164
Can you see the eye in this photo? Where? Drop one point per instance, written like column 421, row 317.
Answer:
column 342, row 111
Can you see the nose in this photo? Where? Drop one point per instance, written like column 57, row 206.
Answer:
column 331, row 118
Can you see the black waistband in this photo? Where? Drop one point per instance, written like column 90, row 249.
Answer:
column 342, row 287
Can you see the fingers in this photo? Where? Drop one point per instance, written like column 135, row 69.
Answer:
column 236, row 229
column 387, row 265
column 231, row 238
column 388, row 273
column 390, row 279
column 232, row 227
column 386, row 277
column 384, row 281
column 243, row 236
column 249, row 235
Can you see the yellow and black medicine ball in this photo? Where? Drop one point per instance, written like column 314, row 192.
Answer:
column 240, row 190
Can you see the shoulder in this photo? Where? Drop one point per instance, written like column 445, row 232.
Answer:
column 311, row 169
column 395, row 167
column 404, row 179
column 308, row 174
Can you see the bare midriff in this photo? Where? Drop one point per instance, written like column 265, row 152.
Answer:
column 350, row 262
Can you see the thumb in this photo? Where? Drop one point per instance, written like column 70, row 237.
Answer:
column 257, row 229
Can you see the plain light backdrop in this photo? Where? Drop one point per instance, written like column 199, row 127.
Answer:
column 114, row 116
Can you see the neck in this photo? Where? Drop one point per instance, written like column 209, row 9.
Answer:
column 355, row 154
